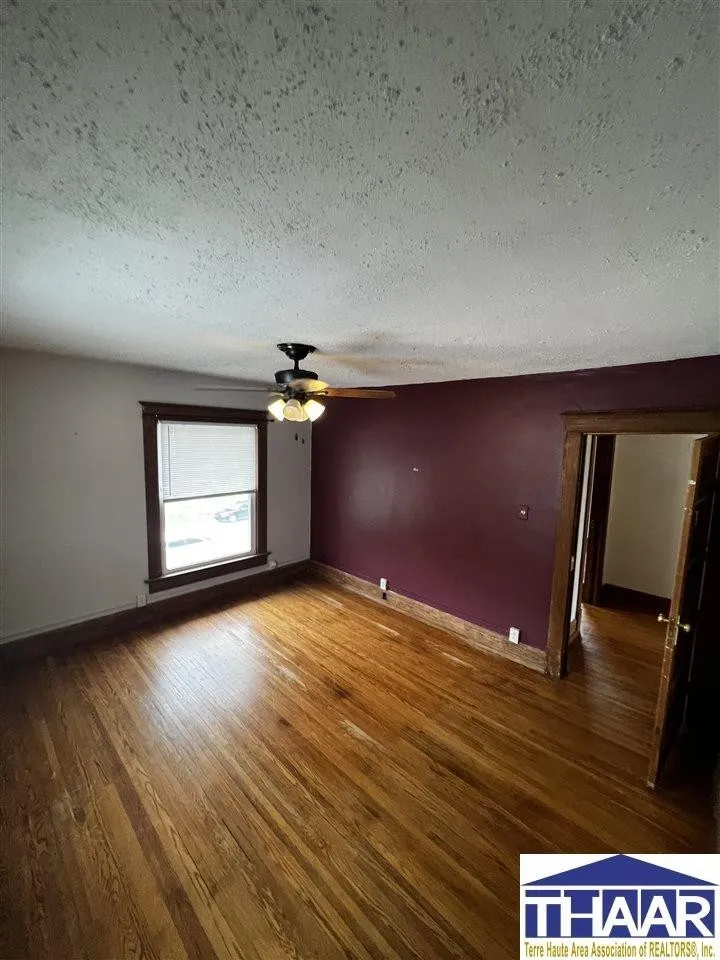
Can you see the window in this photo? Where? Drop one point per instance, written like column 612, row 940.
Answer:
column 205, row 484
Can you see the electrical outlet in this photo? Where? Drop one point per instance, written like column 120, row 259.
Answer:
column 514, row 635
column 142, row 599
column 383, row 584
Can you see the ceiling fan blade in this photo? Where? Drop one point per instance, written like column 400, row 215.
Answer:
column 237, row 389
column 359, row 394
column 308, row 386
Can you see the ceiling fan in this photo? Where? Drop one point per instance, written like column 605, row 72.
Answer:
column 296, row 392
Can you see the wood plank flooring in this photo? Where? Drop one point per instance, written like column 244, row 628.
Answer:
column 307, row 774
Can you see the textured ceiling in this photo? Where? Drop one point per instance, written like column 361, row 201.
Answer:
column 433, row 190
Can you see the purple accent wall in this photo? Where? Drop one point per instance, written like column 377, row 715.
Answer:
column 425, row 489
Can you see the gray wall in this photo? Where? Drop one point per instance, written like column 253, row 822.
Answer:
column 73, row 498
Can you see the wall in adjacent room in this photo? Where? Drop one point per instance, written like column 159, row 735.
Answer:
column 425, row 489
column 647, row 500
column 73, row 537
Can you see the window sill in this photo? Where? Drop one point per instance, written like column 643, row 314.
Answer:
column 169, row 580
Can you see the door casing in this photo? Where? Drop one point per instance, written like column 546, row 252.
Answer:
column 577, row 427
column 603, row 460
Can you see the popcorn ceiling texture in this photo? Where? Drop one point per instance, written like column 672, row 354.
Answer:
column 431, row 190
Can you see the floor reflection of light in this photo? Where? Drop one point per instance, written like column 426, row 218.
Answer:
column 199, row 677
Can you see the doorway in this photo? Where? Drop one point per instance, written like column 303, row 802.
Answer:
column 689, row 665
column 630, row 523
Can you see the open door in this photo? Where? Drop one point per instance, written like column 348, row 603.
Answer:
column 685, row 602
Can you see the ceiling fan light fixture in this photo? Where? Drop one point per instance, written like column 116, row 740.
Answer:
column 277, row 409
column 294, row 411
column 314, row 409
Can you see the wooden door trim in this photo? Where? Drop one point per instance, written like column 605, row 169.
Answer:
column 644, row 421
column 598, row 514
column 571, row 481
column 577, row 425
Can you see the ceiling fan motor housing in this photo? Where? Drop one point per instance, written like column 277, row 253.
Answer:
column 297, row 353
column 283, row 377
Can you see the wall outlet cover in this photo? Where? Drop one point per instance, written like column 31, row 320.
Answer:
column 514, row 635
column 383, row 583
column 142, row 599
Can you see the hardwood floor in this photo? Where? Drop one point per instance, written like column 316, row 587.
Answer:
column 307, row 774
column 619, row 660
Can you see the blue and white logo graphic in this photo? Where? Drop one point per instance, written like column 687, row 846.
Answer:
column 620, row 906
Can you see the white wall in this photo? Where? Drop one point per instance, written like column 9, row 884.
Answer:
column 647, row 499
column 73, row 499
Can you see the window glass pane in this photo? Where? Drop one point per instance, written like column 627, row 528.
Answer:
column 209, row 529
column 197, row 459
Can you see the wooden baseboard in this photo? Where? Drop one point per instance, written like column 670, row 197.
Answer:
column 634, row 600
column 126, row 621
column 472, row 634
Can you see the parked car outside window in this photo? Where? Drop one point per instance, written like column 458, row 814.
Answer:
column 239, row 511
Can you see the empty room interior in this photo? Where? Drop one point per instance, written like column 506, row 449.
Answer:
column 360, row 466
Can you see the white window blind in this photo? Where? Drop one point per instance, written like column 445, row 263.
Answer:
column 200, row 459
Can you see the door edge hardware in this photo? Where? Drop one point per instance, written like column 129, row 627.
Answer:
column 685, row 627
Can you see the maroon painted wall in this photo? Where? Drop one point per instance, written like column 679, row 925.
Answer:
column 425, row 489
